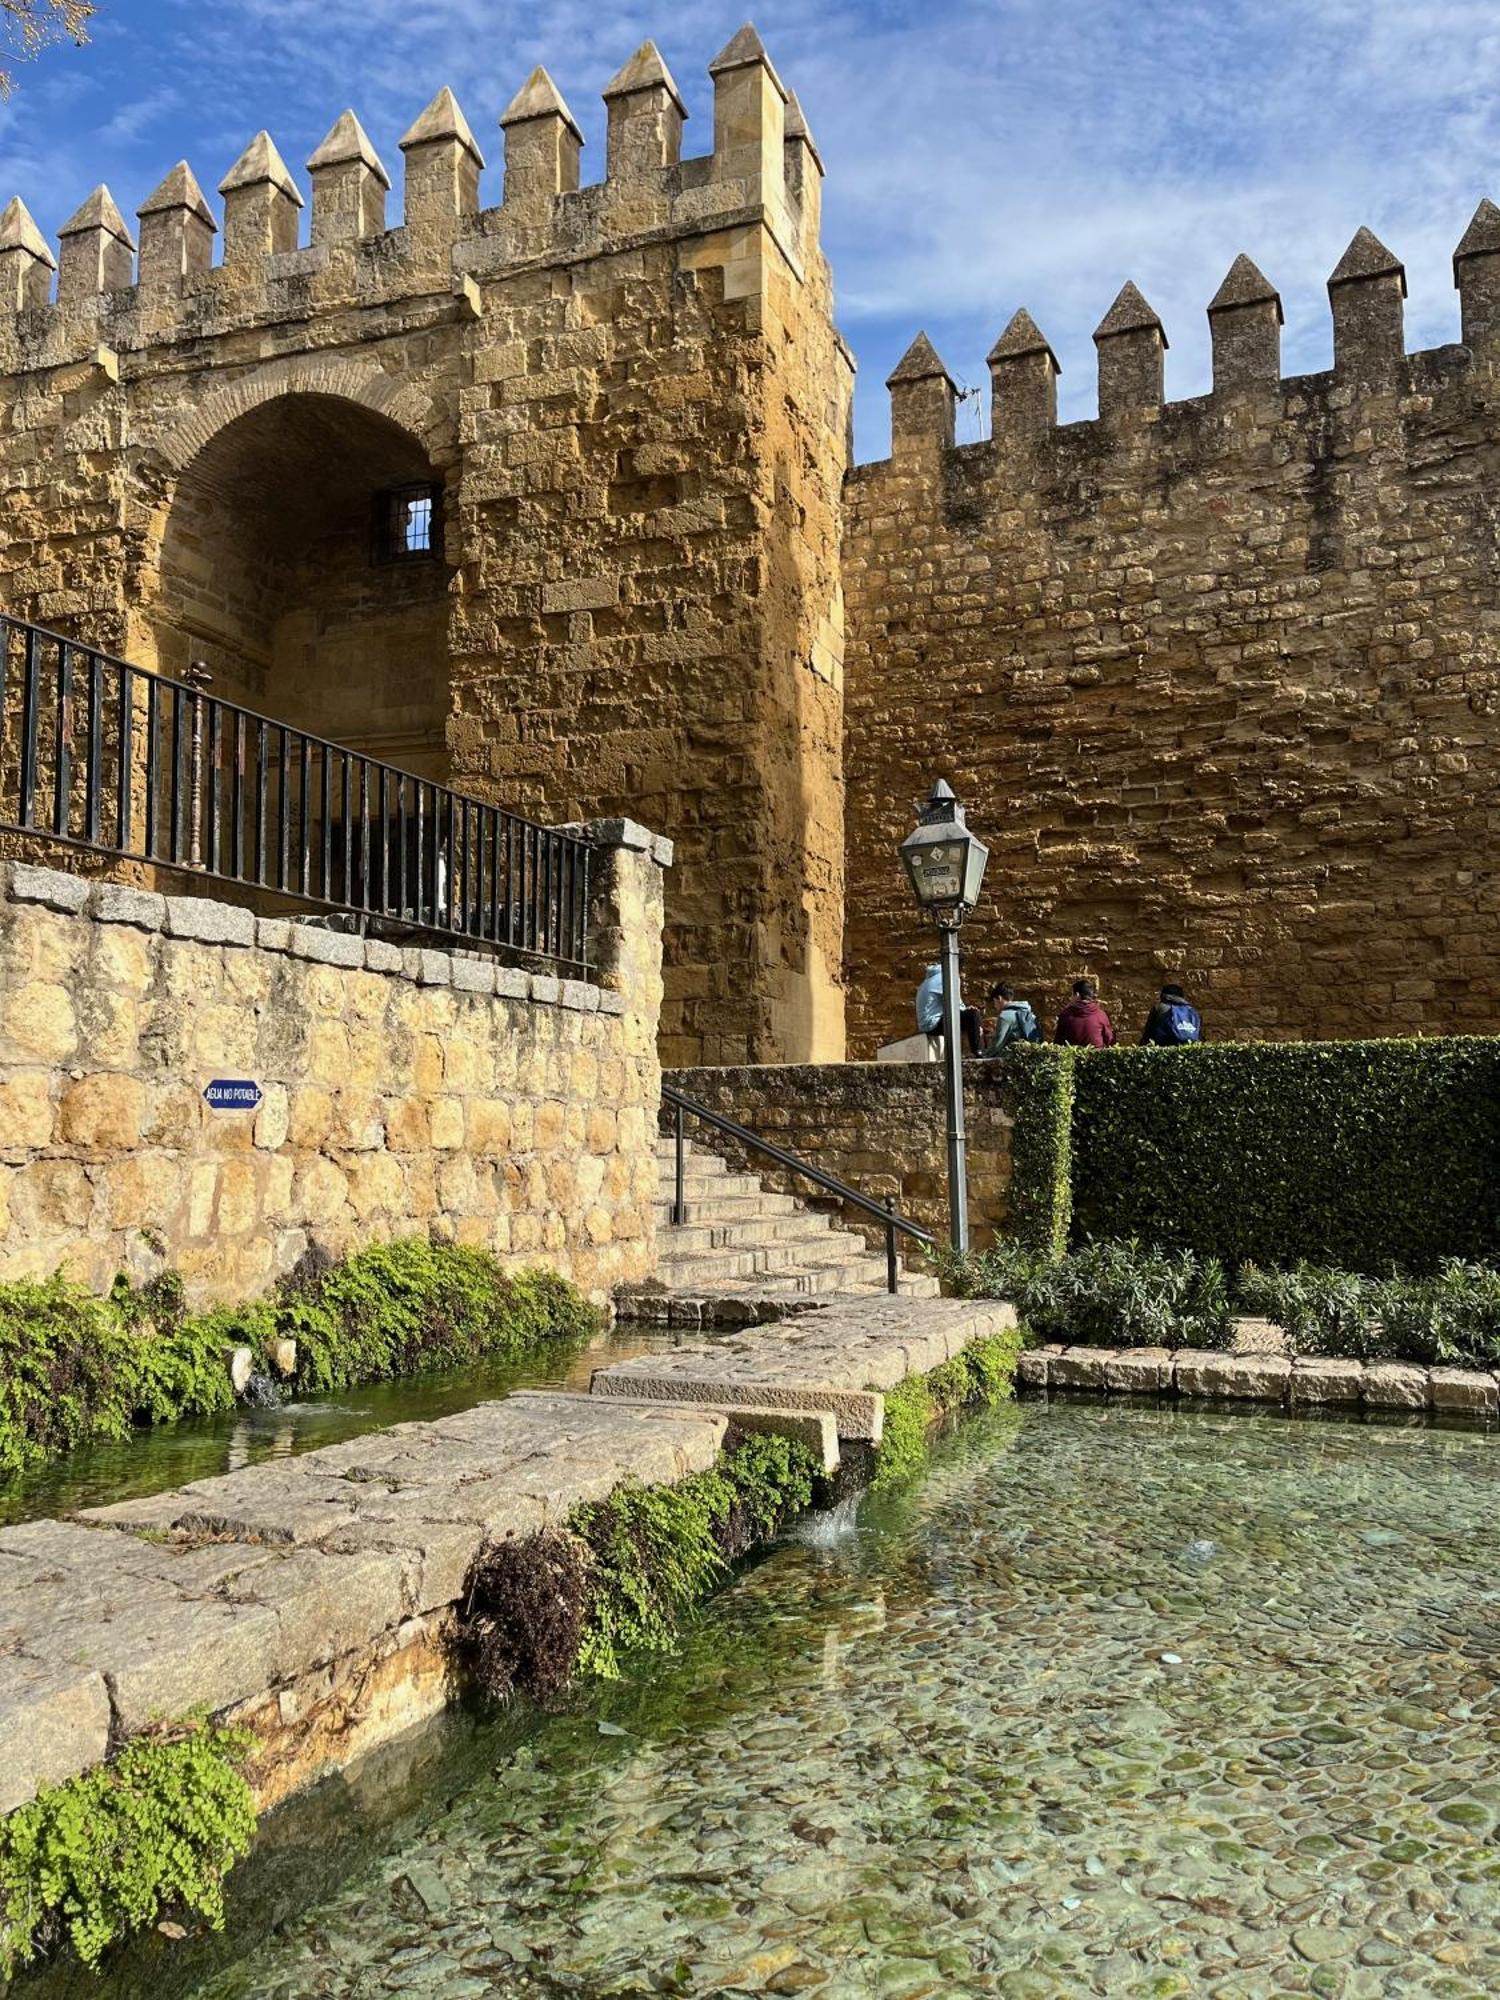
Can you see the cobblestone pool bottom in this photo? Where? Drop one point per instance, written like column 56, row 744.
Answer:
column 1115, row 1701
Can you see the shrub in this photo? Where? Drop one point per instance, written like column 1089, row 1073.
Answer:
column 1112, row 1294
column 107, row 1853
column 1450, row 1319
column 1365, row 1156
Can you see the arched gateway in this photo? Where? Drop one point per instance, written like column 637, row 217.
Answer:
column 303, row 562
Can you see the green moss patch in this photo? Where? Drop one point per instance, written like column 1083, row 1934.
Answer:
column 978, row 1378
column 654, row 1551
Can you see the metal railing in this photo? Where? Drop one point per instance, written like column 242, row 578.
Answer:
column 884, row 1212
column 100, row 755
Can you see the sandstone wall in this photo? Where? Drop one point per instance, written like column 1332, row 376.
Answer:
column 879, row 1126
column 403, row 1091
column 1218, row 681
column 634, row 402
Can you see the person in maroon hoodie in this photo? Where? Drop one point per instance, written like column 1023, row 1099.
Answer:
column 1083, row 1023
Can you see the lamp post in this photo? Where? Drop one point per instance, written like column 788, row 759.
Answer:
column 945, row 866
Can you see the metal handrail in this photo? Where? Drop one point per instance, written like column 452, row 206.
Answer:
column 100, row 755
column 884, row 1212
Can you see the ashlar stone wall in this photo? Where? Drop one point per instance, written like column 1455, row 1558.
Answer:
column 1218, row 681
column 633, row 401
column 879, row 1126
column 403, row 1091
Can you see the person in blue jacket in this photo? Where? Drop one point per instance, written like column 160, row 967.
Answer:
column 1174, row 1022
column 930, row 1011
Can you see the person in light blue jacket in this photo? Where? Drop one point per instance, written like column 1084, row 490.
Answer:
column 930, row 1011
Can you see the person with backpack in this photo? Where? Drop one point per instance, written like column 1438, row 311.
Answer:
column 1083, row 1023
column 1173, row 1023
column 1015, row 1022
column 930, row 1012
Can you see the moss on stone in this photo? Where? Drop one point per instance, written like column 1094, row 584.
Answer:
column 74, row 1367
column 978, row 1377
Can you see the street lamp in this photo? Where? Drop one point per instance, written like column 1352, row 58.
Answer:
column 945, row 865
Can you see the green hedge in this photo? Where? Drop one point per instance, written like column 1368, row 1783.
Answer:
column 1370, row 1156
column 1039, row 1083
column 74, row 1367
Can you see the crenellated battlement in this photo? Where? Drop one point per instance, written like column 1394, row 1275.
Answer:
column 1366, row 295
column 764, row 168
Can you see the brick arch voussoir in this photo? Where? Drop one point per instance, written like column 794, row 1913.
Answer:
column 403, row 402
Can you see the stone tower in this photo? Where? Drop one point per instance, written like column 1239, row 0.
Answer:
column 539, row 497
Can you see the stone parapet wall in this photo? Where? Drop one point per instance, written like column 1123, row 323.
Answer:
column 403, row 1090
column 879, row 1126
column 1218, row 682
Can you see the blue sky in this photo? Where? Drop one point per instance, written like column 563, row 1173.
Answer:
column 981, row 154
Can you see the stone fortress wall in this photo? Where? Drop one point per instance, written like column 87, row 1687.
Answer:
column 634, row 408
column 402, row 1090
column 1218, row 680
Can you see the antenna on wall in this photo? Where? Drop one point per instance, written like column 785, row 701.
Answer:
column 970, row 417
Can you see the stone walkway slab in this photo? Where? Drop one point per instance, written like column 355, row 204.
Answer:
column 1261, row 1376
column 220, row 1592
column 840, row 1359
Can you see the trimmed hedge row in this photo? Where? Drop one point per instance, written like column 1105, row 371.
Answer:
column 1370, row 1156
column 75, row 1367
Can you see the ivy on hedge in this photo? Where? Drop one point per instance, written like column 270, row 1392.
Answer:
column 1371, row 1156
column 75, row 1367
column 1039, row 1082
column 1368, row 1155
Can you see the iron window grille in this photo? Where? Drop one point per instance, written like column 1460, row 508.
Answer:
column 409, row 523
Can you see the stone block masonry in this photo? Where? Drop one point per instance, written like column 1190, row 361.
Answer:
column 400, row 1091
column 628, row 404
column 879, row 1126
column 1217, row 680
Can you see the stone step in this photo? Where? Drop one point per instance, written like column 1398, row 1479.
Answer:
column 742, row 1261
column 748, row 1232
column 798, row 1281
column 714, row 1187
column 755, row 1250
column 711, row 1206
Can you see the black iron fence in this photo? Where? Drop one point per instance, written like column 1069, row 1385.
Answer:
column 100, row 755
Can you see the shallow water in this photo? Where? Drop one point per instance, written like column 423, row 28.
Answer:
column 150, row 1461
column 1115, row 1701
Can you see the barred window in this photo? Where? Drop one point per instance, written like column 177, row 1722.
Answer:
column 408, row 523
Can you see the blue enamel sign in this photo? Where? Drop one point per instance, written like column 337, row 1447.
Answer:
column 228, row 1093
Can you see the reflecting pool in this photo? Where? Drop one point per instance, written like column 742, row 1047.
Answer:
column 1114, row 1701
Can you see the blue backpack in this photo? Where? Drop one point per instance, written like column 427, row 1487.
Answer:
column 1182, row 1026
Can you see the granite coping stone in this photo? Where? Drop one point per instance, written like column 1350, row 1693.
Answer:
column 840, row 1359
column 1262, row 1377
column 226, row 1589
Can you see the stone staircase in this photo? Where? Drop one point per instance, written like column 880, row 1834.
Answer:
column 747, row 1254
